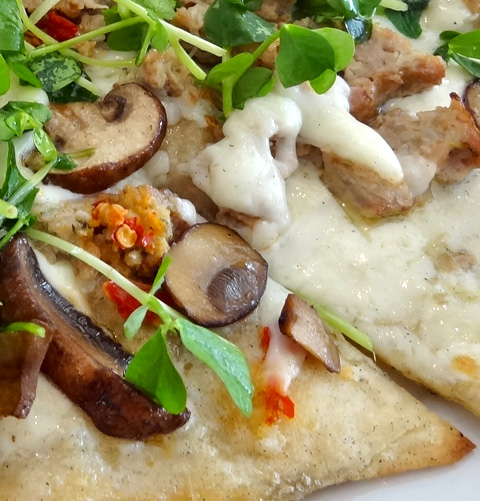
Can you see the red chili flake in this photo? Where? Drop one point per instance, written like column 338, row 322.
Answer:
column 265, row 336
column 147, row 239
column 58, row 27
column 133, row 223
column 277, row 404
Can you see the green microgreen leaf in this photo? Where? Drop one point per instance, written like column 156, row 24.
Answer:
column 55, row 71
column 408, row 22
column 324, row 81
column 24, row 73
column 463, row 48
column 18, row 116
column 344, row 327
column 466, row 44
column 129, row 38
column 359, row 28
column 303, row 55
column 136, row 318
column 44, row 144
column 231, row 24
column 471, row 65
column 153, row 373
column 32, row 328
column 255, row 82
column 11, row 28
column 64, row 163
column 234, row 66
column 223, row 357
column 7, row 210
column 160, row 38
column 161, row 9
column 134, row 322
column 343, row 46
column 4, row 76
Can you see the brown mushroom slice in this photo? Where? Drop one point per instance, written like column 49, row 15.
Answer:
column 300, row 322
column 215, row 277
column 82, row 360
column 124, row 130
column 21, row 356
column 471, row 100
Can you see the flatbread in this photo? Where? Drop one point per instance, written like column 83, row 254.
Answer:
column 354, row 425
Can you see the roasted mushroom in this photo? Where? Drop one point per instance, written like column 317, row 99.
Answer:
column 21, row 355
column 471, row 100
column 215, row 277
column 124, row 131
column 82, row 360
column 300, row 322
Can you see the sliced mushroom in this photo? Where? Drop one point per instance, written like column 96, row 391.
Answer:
column 215, row 277
column 471, row 99
column 300, row 322
column 21, row 355
column 82, row 360
column 124, row 131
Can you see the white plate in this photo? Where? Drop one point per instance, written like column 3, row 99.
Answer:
column 460, row 481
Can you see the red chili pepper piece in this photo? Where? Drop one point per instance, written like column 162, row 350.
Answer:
column 127, row 304
column 276, row 404
column 265, row 336
column 58, row 27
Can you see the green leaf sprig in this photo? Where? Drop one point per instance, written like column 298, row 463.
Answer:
column 408, row 22
column 463, row 48
column 17, row 194
column 223, row 357
column 304, row 55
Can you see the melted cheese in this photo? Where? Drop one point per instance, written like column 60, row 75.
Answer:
column 241, row 174
column 384, row 278
column 326, row 120
column 284, row 358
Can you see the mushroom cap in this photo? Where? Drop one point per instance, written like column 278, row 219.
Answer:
column 125, row 130
column 215, row 277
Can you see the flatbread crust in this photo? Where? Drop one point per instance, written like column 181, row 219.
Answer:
column 354, row 425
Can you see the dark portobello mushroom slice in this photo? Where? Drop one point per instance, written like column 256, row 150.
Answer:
column 125, row 130
column 300, row 322
column 82, row 360
column 471, row 100
column 215, row 277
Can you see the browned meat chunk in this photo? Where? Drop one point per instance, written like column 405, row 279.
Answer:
column 71, row 8
column 473, row 5
column 447, row 137
column 363, row 188
column 385, row 67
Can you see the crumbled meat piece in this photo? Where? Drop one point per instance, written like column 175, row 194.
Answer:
column 387, row 66
column 473, row 5
column 363, row 189
column 191, row 18
column 276, row 11
column 447, row 137
column 163, row 70
column 71, row 8
column 449, row 261
column 130, row 230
